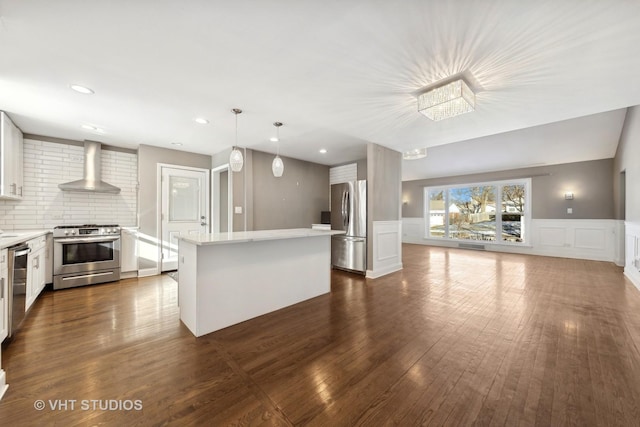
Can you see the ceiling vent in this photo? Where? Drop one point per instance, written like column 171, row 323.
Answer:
column 91, row 181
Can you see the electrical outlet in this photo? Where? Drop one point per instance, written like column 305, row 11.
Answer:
column 238, row 210
column 569, row 210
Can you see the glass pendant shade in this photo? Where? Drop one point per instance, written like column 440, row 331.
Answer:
column 277, row 167
column 236, row 160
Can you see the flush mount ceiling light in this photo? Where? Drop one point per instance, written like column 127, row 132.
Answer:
column 177, row 144
column 277, row 167
column 447, row 101
column 415, row 154
column 322, row 151
column 82, row 89
column 201, row 120
column 235, row 158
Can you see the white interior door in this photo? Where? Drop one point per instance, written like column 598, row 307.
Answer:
column 185, row 201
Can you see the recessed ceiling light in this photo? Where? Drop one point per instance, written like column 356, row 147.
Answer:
column 415, row 154
column 274, row 139
column 201, row 120
column 92, row 128
column 81, row 89
column 179, row 144
column 322, row 151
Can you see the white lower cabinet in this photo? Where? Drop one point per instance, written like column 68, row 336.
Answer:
column 129, row 252
column 4, row 295
column 36, row 268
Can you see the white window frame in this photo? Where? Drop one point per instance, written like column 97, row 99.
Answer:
column 526, row 225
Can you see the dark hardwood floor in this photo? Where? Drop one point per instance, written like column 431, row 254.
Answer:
column 456, row 338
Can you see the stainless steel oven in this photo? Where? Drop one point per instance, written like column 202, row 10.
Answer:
column 85, row 255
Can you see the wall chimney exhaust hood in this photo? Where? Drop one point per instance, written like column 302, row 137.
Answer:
column 92, row 181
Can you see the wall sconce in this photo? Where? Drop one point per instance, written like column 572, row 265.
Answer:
column 568, row 196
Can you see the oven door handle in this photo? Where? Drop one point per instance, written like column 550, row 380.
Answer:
column 88, row 240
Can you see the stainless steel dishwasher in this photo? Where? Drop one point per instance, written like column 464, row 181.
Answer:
column 17, row 286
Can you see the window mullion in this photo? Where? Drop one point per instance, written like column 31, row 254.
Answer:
column 446, row 213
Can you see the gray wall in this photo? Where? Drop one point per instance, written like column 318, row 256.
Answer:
column 148, row 159
column 243, row 194
column 224, row 201
column 628, row 160
column 294, row 200
column 384, row 189
column 220, row 158
column 591, row 183
column 362, row 168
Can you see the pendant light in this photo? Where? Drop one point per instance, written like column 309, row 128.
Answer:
column 235, row 159
column 277, row 167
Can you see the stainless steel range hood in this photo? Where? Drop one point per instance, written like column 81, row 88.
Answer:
column 92, row 181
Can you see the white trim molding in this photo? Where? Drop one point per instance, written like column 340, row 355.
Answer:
column 3, row 379
column 592, row 239
column 632, row 252
column 387, row 248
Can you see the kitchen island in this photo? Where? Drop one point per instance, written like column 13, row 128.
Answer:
column 227, row 278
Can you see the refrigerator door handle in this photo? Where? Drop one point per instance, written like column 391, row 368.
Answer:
column 348, row 216
column 344, row 209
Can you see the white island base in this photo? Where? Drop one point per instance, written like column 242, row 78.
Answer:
column 227, row 278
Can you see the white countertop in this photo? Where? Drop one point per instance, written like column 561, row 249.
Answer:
column 253, row 236
column 10, row 238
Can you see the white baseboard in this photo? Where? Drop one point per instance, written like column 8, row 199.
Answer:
column 129, row 274
column 370, row 274
column 634, row 276
column 3, row 383
column 146, row 272
column 632, row 252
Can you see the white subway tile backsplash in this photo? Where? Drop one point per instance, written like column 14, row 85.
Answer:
column 47, row 164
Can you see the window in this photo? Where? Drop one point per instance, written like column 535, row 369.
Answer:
column 493, row 212
column 436, row 213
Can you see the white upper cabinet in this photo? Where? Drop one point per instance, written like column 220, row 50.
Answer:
column 11, row 141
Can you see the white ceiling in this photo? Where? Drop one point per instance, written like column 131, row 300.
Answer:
column 337, row 73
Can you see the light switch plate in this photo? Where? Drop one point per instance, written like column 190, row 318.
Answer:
column 569, row 210
column 237, row 209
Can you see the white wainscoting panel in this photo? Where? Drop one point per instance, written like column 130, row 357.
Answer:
column 632, row 252
column 413, row 230
column 593, row 239
column 387, row 248
column 590, row 238
column 552, row 236
column 620, row 246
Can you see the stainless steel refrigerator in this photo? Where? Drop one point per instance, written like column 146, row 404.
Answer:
column 349, row 213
